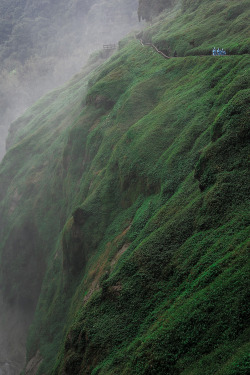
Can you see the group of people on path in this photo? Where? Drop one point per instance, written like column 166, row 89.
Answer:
column 218, row 52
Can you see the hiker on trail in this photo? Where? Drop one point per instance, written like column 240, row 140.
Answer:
column 218, row 52
column 175, row 54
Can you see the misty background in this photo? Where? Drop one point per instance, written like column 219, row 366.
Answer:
column 44, row 42
column 14, row 324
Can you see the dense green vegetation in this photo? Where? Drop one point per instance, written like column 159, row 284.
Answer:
column 195, row 27
column 124, row 197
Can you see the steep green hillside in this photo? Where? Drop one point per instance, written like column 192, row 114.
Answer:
column 194, row 27
column 125, row 207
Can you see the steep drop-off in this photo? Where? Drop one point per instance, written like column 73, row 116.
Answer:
column 125, row 207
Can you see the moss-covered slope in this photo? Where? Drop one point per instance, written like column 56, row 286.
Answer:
column 125, row 198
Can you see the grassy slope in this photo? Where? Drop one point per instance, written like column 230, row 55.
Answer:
column 149, row 276
column 203, row 25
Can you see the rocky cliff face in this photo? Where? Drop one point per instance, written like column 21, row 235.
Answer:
column 124, row 208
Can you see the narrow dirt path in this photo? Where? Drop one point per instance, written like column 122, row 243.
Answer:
column 168, row 57
column 155, row 48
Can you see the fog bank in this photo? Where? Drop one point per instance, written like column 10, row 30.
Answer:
column 13, row 331
column 49, row 50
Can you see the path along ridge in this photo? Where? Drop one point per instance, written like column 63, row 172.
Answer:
column 153, row 46
column 160, row 52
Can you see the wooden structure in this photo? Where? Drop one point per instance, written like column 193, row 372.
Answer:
column 109, row 46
